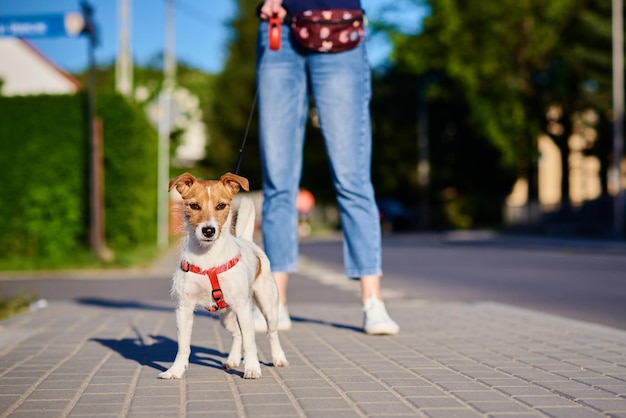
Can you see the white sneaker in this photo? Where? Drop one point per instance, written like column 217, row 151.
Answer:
column 376, row 320
column 284, row 321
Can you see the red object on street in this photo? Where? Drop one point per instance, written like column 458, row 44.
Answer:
column 274, row 32
column 305, row 201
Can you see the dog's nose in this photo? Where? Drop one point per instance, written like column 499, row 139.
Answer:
column 208, row 231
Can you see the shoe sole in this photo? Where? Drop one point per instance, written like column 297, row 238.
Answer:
column 382, row 331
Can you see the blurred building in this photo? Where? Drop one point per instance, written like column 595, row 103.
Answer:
column 584, row 175
column 24, row 70
column 584, row 180
column 186, row 117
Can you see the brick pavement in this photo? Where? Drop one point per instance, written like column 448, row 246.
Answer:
column 100, row 358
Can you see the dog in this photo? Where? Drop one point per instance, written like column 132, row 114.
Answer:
column 222, row 272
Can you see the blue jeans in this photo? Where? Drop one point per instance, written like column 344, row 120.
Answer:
column 341, row 86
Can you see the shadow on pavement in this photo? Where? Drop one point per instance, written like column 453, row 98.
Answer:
column 330, row 324
column 123, row 304
column 163, row 350
column 127, row 304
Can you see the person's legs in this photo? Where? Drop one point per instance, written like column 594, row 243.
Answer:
column 282, row 279
column 341, row 86
column 370, row 287
column 283, row 107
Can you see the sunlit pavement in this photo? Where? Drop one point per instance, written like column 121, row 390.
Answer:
column 101, row 357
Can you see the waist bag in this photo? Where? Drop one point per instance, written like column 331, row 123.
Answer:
column 334, row 30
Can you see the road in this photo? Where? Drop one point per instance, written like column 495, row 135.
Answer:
column 583, row 280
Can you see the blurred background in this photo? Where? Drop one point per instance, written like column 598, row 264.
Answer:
column 505, row 116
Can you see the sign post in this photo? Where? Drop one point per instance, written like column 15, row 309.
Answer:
column 94, row 129
column 42, row 26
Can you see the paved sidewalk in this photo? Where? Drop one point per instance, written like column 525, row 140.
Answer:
column 101, row 357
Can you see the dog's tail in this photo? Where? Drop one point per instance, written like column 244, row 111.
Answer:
column 245, row 219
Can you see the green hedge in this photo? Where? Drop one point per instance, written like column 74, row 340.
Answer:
column 130, row 154
column 44, row 180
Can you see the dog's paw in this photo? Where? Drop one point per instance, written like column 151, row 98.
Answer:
column 168, row 375
column 281, row 361
column 252, row 373
column 231, row 364
column 172, row 373
column 251, row 369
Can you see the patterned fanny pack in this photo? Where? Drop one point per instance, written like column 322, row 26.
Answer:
column 334, row 30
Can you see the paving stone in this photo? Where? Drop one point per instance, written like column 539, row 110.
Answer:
column 386, row 409
column 272, row 410
column 544, row 401
column 372, row 397
column 499, row 406
column 309, row 404
column 213, row 406
column 479, row 395
column 571, row 412
column 450, row 360
column 435, row 402
column 606, row 404
column 453, row 413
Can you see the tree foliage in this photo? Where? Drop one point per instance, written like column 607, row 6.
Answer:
column 148, row 84
column 234, row 94
column 234, row 106
column 491, row 71
column 579, row 78
column 490, row 50
column 496, row 68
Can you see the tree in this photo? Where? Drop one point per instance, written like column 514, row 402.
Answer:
column 579, row 79
column 234, row 95
column 489, row 54
column 148, row 84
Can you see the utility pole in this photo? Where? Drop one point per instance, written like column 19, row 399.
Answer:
column 97, row 241
column 616, row 174
column 423, row 153
column 124, row 63
column 169, row 74
column 170, row 44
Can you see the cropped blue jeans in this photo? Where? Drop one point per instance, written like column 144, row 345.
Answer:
column 341, row 88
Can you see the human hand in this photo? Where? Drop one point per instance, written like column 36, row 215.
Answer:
column 272, row 6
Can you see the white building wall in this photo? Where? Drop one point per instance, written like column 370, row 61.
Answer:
column 25, row 71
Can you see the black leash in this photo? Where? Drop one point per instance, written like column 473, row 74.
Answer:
column 245, row 135
column 274, row 35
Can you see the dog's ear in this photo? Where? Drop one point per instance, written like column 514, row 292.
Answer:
column 233, row 182
column 183, row 183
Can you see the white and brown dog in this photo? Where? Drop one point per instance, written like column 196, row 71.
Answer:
column 222, row 272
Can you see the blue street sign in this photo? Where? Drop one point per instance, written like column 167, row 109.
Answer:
column 42, row 26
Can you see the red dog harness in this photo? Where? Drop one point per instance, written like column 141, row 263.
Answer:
column 215, row 283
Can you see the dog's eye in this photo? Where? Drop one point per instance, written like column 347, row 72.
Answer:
column 194, row 206
column 220, row 206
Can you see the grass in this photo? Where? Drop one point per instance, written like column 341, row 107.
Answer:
column 15, row 304
column 83, row 259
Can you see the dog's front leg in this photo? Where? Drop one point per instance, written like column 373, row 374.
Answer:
column 251, row 365
column 229, row 321
column 184, row 323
